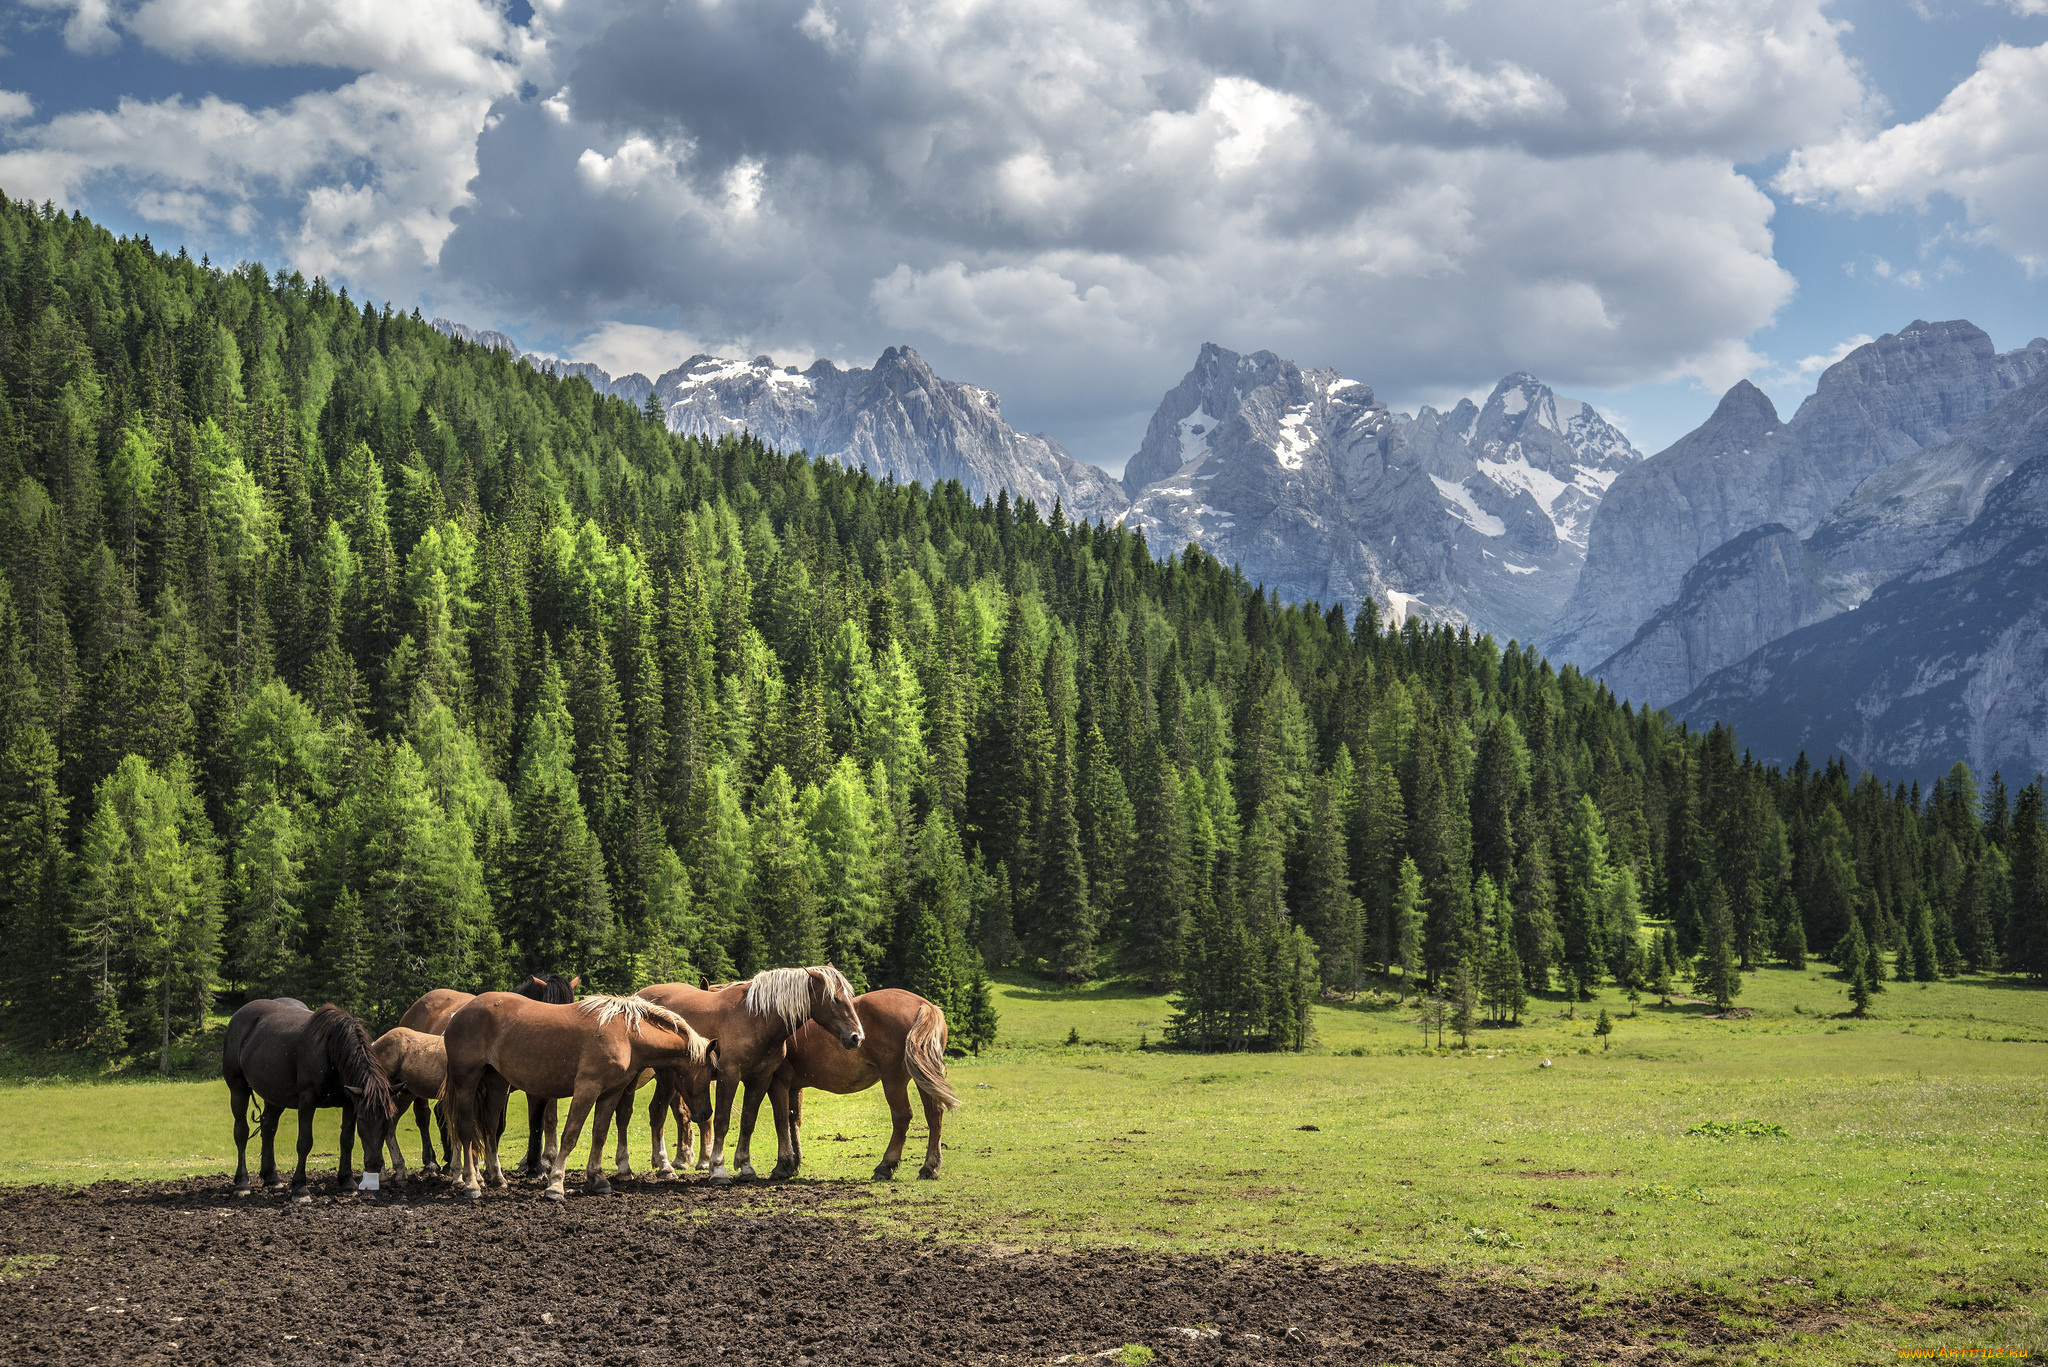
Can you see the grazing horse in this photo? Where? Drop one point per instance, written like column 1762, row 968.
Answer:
column 906, row 1041
column 417, row 1064
column 291, row 1056
column 588, row 1051
column 430, row 1014
column 751, row 1020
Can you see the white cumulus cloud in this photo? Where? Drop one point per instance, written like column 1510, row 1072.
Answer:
column 1983, row 146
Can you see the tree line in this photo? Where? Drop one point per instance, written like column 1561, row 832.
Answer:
column 339, row 658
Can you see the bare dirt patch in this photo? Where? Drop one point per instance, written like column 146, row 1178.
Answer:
column 184, row 1272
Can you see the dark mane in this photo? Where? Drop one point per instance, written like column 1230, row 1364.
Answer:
column 341, row 1037
column 551, row 988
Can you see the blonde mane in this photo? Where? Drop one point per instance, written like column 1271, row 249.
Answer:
column 639, row 1009
column 786, row 992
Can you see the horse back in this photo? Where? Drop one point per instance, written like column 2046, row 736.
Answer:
column 260, row 1047
column 431, row 1013
column 416, row 1061
column 539, row 1047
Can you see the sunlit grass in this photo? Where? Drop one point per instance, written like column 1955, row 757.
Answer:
column 1906, row 1199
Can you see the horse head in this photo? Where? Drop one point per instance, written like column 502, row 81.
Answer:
column 350, row 1053
column 832, row 1006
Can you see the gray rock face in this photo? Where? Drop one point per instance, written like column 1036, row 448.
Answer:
column 1946, row 659
column 1752, row 589
column 1891, row 522
column 895, row 418
column 1743, row 469
column 1317, row 490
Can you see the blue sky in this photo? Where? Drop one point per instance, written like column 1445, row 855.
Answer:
column 1638, row 200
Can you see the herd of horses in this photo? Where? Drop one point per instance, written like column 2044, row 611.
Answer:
column 770, row 1036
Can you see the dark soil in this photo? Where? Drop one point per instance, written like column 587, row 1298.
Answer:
column 687, row 1274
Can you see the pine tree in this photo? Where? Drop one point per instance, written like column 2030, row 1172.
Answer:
column 1065, row 922
column 1584, row 878
column 35, row 879
column 1464, row 1001
column 1328, row 911
column 1162, row 878
column 1603, row 1029
column 1716, row 973
column 1404, row 926
column 559, row 912
column 980, row 1031
column 783, row 904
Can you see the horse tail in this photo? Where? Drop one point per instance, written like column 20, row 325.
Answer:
column 924, row 1052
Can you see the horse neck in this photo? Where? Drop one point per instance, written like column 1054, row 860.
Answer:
column 658, row 1045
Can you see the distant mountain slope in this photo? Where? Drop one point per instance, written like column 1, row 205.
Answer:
column 1320, row 491
column 1945, row 661
column 894, row 418
column 1736, row 601
column 1743, row 469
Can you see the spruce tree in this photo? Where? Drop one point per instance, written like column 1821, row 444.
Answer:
column 1717, row 974
column 782, row 902
column 979, row 1029
column 1162, row 876
column 1464, row 1000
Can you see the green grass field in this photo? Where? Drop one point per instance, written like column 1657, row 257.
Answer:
column 1903, row 1206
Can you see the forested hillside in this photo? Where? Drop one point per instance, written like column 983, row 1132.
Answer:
column 345, row 660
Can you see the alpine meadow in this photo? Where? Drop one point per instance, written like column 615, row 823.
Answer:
column 344, row 660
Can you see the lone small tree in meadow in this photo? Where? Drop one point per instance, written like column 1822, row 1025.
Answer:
column 1603, row 1028
column 1859, row 990
column 1661, row 983
column 1464, row 1002
column 981, row 1013
column 1634, row 999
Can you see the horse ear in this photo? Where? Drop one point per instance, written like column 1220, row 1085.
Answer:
column 703, row 982
column 711, row 1055
column 539, row 981
column 355, row 1092
column 575, row 983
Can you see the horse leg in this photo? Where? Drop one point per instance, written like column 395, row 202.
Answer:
column 345, row 1180
column 397, row 1160
column 499, row 1099
column 299, row 1192
column 267, row 1175
column 934, row 1124
column 778, row 1107
column 536, row 1163
column 594, row 1180
column 721, row 1117
column 238, row 1098
column 796, row 1128
column 622, row 1112
column 897, row 1090
column 657, row 1105
column 750, row 1109
column 579, row 1107
column 428, row 1167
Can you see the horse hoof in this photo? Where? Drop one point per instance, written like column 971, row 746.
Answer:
column 720, row 1179
column 885, row 1172
column 928, row 1174
column 472, row 1195
column 598, row 1188
column 302, row 1198
column 552, row 1195
column 241, row 1193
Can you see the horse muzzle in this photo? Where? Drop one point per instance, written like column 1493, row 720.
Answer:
column 851, row 1038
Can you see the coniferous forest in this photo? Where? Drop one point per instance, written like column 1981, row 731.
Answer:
column 340, row 659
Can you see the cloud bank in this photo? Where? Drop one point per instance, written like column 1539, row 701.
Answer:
column 1059, row 200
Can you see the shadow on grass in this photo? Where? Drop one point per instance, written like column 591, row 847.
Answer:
column 1034, row 988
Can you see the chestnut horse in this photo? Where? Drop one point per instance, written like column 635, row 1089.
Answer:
column 752, row 1021
column 417, row 1064
column 587, row 1051
column 430, row 1015
column 291, row 1056
column 906, row 1041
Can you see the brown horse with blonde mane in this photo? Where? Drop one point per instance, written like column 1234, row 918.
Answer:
column 752, row 1021
column 588, row 1051
column 906, row 1042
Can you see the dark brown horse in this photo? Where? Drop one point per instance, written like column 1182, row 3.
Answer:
column 294, row 1057
column 906, row 1042
column 430, row 1015
column 751, row 1021
column 588, row 1051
